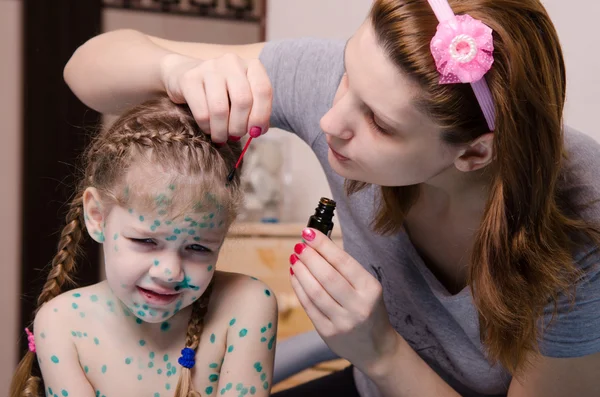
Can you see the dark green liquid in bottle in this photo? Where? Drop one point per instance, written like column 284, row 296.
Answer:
column 322, row 220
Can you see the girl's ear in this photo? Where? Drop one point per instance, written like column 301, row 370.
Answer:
column 94, row 214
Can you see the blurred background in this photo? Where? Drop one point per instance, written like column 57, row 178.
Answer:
column 44, row 126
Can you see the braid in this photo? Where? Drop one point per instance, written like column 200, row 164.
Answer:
column 185, row 387
column 24, row 383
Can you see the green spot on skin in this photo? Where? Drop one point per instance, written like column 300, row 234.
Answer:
column 263, row 377
column 263, row 330
column 197, row 239
column 232, row 322
column 166, row 358
column 172, row 187
column 253, row 390
column 156, row 223
column 230, row 349
column 77, row 295
column 223, row 390
column 267, row 292
column 139, row 377
column 94, row 298
column 116, row 236
column 142, row 342
column 173, row 370
column 75, row 306
column 165, row 326
column 263, row 339
column 177, row 231
column 168, row 222
column 159, row 371
column 243, row 332
column 152, row 354
column 270, row 325
column 208, row 390
column 271, row 341
column 73, row 333
column 210, row 267
column 138, row 320
column 86, row 369
column 131, row 210
column 191, row 232
column 266, row 385
column 171, row 238
column 54, row 359
column 258, row 367
column 43, row 335
column 162, row 212
column 212, row 338
column 213, row 377
column 156, row 263
column 165, row 314
column 141, row 218
column 153, row 228
column 79, row 334
column 96, row 341
column 150, row 364
column 239, row 386
column 104, row 369
column 64, row 393
column 55, row 310
column 82, row 314
column 169, row 365
column 141, row 314
column 213, row 365
column 128, row 360
column 168, row 386
column 186, row 284
column 156, row 394
column 99, row 236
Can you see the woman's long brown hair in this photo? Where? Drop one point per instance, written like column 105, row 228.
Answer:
column 522, row 255
column 167, row 134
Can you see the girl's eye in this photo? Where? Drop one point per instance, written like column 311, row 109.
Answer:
column 376, row 126
column 199, row 248
column 143, row 241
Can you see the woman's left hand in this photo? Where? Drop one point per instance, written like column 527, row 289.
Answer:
column 343, row 300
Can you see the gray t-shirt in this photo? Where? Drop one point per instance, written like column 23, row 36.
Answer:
column 442, row 328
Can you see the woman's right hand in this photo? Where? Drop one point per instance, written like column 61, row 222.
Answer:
column 229, row 96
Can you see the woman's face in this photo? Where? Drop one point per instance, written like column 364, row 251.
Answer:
column 374, row 131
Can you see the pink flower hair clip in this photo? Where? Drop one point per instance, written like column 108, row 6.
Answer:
column 31, row 340
column 463, row 50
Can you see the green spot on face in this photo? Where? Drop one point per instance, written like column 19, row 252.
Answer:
column 96, row 341
column 73, row 333
column 266, row 385
column 263, row 339
column 150, row 364
column 168, row 386
column 43, row 335
column 141, row 218
column 152, row 354
column 263, row 377
column 228, row 386
column 243, row 332
column 169, row 365
column 270, row 325
column 141, row 313
column 177, row 231
column 171, row 238
column 75, row 306
column 267, row 292
column 81, row 314
column 232, row 322
column 191, row 232
column 212, row 338
column 253, row 390
column 157, row 223
column 156, row 263
column 213, row 377
column 86, row 369
column 208, row 390
column 116, row 236
column 94, row 298
column 142, row 342
column 64, row 392
column 210, row 267
column 239, row 386
column 172, row 187
column 54, row 359
column 230, row 349
column 271, row 341
column 159, row 371
column 165, row 314
column 128, row 360
column 77, row 295
column 263, row 330
column 258, row 367
column 139, row 377
column 166, row 358
column 165, row 326
column 131, row 210
column 138, row 320
column 99, row 236
column 104, row 369
column 156, row 394
column 213, row 365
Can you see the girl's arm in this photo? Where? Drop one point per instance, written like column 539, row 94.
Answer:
column 248, row 364
column 58, row 357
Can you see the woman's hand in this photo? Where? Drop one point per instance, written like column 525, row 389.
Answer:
column 344, row 302
column 229, row 96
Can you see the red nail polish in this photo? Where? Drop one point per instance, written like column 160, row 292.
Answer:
column 298, row 248
column 308, row 234
column 235, row 138
column 293, row 259
column 291, row 271
column 255, row 132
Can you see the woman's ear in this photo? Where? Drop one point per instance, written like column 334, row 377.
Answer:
column 94, row 213
column 478, row 154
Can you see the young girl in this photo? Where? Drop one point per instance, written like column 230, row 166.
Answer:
column 469, row 210
column 164, row 323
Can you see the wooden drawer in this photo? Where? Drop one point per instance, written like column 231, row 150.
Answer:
column 263, row 251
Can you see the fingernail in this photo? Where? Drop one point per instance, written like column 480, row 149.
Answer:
column 298, row 248
column 308, row 234
column 235, row 138
column 291, row 271
column 293, row 259
column 255, row 132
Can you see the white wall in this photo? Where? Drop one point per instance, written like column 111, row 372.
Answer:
column 339, row 18
column 10, row 174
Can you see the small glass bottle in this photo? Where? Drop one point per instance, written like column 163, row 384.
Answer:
column 322, row 220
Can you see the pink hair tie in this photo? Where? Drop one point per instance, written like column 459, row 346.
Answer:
column 463, row 49
column 31, row 340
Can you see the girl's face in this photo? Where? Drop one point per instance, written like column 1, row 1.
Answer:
column 157, row 265
column 374, row 131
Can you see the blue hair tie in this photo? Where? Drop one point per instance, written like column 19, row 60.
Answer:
column 187, row 359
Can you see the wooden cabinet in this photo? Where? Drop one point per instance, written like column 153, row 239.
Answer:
column 263, row 251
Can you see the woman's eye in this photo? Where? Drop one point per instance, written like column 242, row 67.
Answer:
column 143, row 241
column 199, row 248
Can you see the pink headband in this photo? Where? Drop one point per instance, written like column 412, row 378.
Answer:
column 463, row 50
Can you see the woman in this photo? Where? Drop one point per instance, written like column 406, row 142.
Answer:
column 471, row 262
